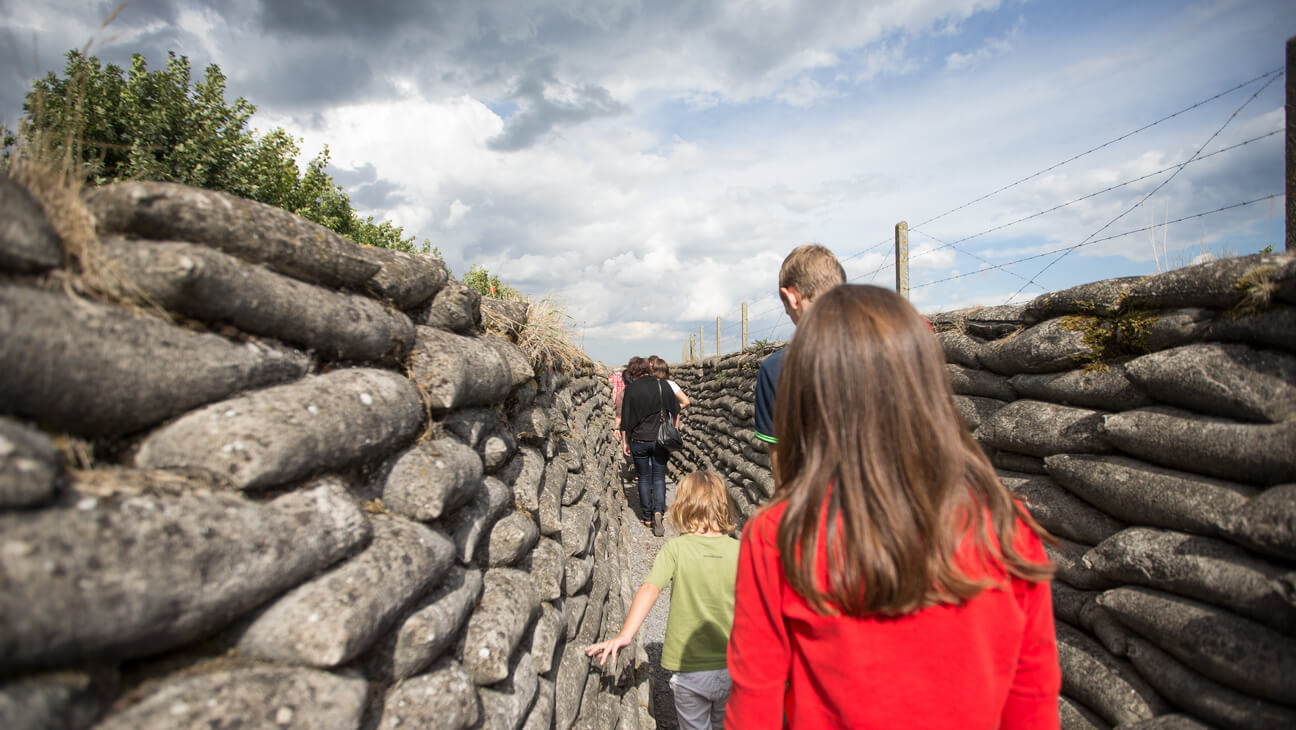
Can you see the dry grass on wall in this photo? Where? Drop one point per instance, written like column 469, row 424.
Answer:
column 547, row 339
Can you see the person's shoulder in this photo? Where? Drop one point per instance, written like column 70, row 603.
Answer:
column 763, row 525
column 773, row 361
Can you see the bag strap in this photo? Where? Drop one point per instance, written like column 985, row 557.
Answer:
column 661, row 413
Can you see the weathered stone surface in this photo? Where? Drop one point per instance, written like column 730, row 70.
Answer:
column 550, row 499
column 520, row 368
column 75, row 589
column 579, row 571
column 1075, row 716
column 433, row 622
column 1272, row 327
column 569, row 686
column 475, row 521
column 1209, row 700
column 992, row 323
column 508, row 604
column 67, row 700
column 28, row 243
column 1143, row 494
column 1172, row 721
column 456, row 371
column 1232, row 381
column 1106, row 389
column 531, row 424
column 971, row 381
column 525, row 472
column 244, row 228
column 506, row 704
column 542, row 711
column 443, row 698
column 547, row 565
column 215, row 287
column 1050, row 346
column 1254, row 453
column 29, row 467
column 574, row 489
column 1267, row 523
column 334, row 618
column 1109, row 686
column 456, row 307
column 578, row 530
column 1219, row 284
column 406, row 279
column 283, row 433
column 100, row 370
column 1068, row 557
column 574, row 608
column 287, row 697
column 1060, row 512
column 548, row 632
column 430, row 479
column 473, row 425
column 1199, row 567
column 1011, row 461
column 1099, row 298
column 1234, row 651
column 512, row 538
column 504, row 317
column 974, row 409
column 1039, row 429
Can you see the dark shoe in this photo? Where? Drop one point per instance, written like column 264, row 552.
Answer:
column 657, row 524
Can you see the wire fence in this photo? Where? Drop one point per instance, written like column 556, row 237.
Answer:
column 768, row 323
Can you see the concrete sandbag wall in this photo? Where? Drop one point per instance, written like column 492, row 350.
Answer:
column 1150, row 425
column 295, row 484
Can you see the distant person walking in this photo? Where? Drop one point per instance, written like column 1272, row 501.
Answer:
column 661, row 370
column 892, row 582
column 647, row 400
column 807, row 272
column 699, row 565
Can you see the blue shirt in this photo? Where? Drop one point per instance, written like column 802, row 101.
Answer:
column 766, row 380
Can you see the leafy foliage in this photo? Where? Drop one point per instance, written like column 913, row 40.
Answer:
column 489, row 285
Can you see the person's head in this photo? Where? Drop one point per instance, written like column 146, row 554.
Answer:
column 701, row 504
column 867, row 428
column 636, row 368
column 658, row 368
column 807, row 272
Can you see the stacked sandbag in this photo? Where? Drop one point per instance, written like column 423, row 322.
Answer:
column 267, row 476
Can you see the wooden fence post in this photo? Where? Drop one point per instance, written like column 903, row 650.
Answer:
column 744, row 326
column 1291, row 145
column 701, row 345
column 717, row 335
column 691, row 350
column 902, row 258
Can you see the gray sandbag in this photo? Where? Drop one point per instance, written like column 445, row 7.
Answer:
column 550, row 499
column 507, row 605
column 578, row 530
column 267, row 696
column 525, row 472
column 504, row 317
column 496, row 450
column 547, row 566
column 1107, row 388
column 28, row 243
column 1200, row 567
column 1050, row 346
column 406, row 279
column 511, row 539
column 505, row 704
column 1234, row 651
column 1010, row 461
column 1172, row 721
column 1068, row 602
column 471, row 523
column 1040, row 429
column 1231, row 381
column 29, row 466
column 215, row 287
column 64, row 700
column 95, row 369
column 455, row 371
column 1098, row 298
column 520, row 368
column 338, row 615
column 548, row 632
column 574, row 608
column 569, row 685
column 971, row 381
column 1273, row 327
column 429, row 629
column 244, row 228
column 578, row 574
column 1254, row 453
column 1211, row 701
column 1267, row 523
column 961, row 348
column 1074, row 716
column 993, row 323
column 542, row 710
column 211, row 556
column 276, row 435
column 574, row 490
column 1068, row 560
column 473, row 425
column 973, row 409
column 1109, row 686
column 1061, row 512
column 1143, row 494
column 443, row 698
column 1220, row 284
column 531, row 424
column 1080, row 609
column 456, row 307
column 430, row 479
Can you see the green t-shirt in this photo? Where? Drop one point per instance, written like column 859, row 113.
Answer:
column 703, row 570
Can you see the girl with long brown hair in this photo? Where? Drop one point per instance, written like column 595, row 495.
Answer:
column 892, row 581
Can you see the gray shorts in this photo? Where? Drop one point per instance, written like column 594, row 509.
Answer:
column 700, row 698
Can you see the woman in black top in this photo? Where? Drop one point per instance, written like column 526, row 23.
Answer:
column 644, row 401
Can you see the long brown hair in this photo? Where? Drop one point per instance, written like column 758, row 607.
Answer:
column 870, row 444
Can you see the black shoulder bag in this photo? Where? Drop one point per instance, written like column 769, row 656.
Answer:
column 668, row 437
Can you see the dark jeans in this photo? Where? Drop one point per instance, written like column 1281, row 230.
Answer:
column 650, row 461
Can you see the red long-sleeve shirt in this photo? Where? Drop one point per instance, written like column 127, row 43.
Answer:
column 988, row 663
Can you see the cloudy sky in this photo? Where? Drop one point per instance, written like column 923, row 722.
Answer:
column 649, row 163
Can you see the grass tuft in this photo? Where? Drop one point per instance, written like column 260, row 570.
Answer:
column 548, row 341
